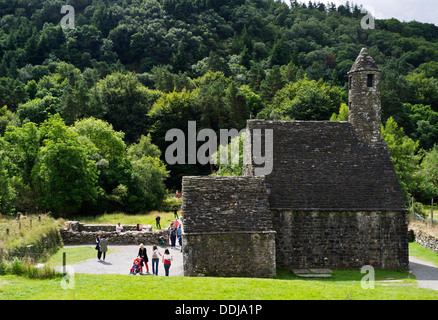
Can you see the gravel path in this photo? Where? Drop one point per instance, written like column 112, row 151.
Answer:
column 120, row 262
column 425, row 272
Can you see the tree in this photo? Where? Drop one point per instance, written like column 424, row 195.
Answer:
column 109, row 143
column 210, row 100
column 279, row 54
column 64, row 175
column 175, row 110
column 403, row 154
column 304, row 100
column 428, row 175
column 7, row 192
column 425, row 89
column 7, row 118
column 126, row 102
column 233, row 166
column 38, row 110
column 237, row 104
column 149, row 174
column 272, row 83
column 23, row 146
column 343, row 114
column 144, row 147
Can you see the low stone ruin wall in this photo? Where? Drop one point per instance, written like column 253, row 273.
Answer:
column 426, row 240
column 77, row 233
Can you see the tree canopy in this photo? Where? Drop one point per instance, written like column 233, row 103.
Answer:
column 103, row 94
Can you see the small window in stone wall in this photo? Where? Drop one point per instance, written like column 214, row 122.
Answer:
column 370, row 81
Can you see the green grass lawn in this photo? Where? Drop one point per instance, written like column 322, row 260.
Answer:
column 343, row 285
column 75, row 255
column 423, row 253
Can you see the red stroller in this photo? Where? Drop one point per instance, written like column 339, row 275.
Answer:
column 136, row 267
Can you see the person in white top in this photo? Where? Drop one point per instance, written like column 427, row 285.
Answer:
column 155, row 259
column 167, row 259
column 119, row 228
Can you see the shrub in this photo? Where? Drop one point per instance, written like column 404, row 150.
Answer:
column 25, row 268
column 170, row 203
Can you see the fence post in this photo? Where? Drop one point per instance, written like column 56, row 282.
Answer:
column 1, row 255
column 64, row 262
column 431, row 213
column 413, row 213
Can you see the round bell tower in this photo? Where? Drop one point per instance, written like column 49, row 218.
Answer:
column 364, row 81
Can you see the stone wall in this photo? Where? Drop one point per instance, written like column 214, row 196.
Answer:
column 79, row 234
column 426, row 240
column 79, row 227
column 341, row 239
column 230, row 254
column 228, row 227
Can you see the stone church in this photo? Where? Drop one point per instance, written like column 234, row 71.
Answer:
column 332, row 199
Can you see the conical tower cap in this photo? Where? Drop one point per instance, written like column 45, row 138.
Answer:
column 364, row 62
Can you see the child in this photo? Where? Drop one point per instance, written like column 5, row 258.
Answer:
column 135, row 268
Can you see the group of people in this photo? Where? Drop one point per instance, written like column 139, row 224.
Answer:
column 101, row 246
column 142, row 261
column 175, row 232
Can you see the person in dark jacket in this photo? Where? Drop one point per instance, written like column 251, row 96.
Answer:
column 103, row 246
column 157, row 222
column 142, row 254
column 99, row 253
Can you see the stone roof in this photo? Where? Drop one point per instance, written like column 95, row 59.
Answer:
column 364, row 62
column 325, row 166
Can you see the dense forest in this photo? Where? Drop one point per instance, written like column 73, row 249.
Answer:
column 84, row 111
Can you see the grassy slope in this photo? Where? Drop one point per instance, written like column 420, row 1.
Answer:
column 24, row 231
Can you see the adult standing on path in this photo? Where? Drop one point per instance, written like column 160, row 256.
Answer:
column 103, row 246
column 167, row 260
column 142, row 254
column 155, row 259
column 173, row 233
column 98, row 246
column 179, row 233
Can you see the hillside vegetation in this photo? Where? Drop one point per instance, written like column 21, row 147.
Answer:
column 84, row 111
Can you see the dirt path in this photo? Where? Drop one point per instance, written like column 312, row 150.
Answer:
column 121, row 261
